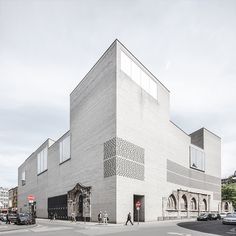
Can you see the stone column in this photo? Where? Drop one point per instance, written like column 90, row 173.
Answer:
column 178, row 204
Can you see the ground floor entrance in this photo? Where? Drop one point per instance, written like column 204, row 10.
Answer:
column 75, row 203
column 139, row 215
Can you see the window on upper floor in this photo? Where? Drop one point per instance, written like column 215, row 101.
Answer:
column 23, row 180
column 197, row 158
column 42, row 159
column 140, row 77
column 65, row 149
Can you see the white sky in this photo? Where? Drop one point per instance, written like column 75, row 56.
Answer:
column 47, row 46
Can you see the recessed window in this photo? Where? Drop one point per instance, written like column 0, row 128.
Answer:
column 140, row 77
column 65, row 149
column 23, row 182
column 197, row 158
column 42, row 160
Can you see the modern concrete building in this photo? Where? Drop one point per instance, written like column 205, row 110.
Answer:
column 122, row 148
column 4, row 198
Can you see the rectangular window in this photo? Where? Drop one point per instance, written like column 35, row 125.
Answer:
column 65, row 149
column 23, row 178
column 42, row 158
column 197, row 158
column 140, row 77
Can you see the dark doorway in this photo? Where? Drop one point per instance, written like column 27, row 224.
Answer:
column 80, row 210
column 139, row 198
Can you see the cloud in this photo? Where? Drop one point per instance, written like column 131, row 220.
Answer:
column 46, row 48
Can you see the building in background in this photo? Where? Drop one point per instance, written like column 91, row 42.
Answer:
column 12, row 206
column 4, row 196
column 122, row 148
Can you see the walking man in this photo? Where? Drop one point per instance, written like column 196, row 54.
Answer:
column 129, row 219
column 100, row 217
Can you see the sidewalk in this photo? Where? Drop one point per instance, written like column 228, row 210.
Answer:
column 96, row 224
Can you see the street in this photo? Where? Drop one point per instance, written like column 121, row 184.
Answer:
column 57, row 228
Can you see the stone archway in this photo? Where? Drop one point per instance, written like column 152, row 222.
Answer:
column 79, row 202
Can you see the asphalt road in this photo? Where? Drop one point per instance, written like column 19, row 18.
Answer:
column 59, row 228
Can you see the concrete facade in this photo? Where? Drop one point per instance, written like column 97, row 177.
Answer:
column 124, row 149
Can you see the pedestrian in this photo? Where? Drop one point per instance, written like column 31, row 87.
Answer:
column 51, row 216
column 73, row 218
column 105, row 218
column 129, row 219
column 7, row 219
column 100, row 217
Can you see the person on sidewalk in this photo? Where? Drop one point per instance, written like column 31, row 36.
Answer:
column 100, row 217
column 51, row 216
column 105, row 218
column 73, row 218
column 7, row 219
column 129, row 219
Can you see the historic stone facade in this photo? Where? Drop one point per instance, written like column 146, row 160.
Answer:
column 79, row 202
column 185, row 204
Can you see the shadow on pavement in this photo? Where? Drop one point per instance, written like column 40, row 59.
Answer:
column 210, row 227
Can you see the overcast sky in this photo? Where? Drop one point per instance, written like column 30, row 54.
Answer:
column 46, row 48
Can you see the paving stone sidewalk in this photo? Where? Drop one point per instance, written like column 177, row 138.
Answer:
column 4, row 227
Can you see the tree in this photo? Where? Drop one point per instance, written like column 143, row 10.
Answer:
column 229, row 193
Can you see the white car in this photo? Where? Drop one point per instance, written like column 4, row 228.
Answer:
column 223, row 215
column 229, row 219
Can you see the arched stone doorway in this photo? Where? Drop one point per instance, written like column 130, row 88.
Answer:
column 79, row 202
column 204, row 205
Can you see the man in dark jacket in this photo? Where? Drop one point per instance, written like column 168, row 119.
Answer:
column 129, row 219
column 7, row 219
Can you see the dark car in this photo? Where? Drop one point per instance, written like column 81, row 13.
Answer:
column 25, row 219
column 215, row 216
column 12, row 218
column 3, row 217
column 207, row 216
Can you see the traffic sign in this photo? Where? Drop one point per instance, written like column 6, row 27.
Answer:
column 138, row 204
column 31, row 197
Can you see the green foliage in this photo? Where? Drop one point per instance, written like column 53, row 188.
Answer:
column 229, row 193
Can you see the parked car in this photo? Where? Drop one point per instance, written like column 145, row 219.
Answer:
column 215, row 216
column 25, row 219
column 204, row 217
column 12, row 218
column 3, row 217
column 229, row 219
column 223, row 215
column 208, row 216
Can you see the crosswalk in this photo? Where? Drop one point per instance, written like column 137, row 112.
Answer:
column 41, row 228
column 37, row 229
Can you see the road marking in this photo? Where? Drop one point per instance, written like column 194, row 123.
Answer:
column 46, row 229
column 232, row 231
column 14, row 231
column 174, row 233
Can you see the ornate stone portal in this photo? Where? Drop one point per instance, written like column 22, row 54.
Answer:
column 79, row 202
